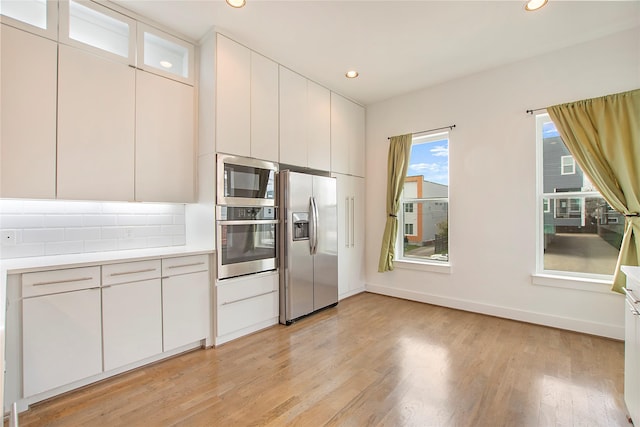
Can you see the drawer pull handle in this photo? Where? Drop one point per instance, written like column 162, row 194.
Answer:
column 123, row 273
column 55, row 282
column 632, row 309
column 630, row 296
column 246, row 298
column 193, row 264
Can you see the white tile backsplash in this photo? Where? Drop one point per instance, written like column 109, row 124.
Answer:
column 63, row 227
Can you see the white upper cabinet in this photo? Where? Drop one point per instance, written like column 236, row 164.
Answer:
column 90, row 26
column 347, row 136
column 293, row 118
column 164, row 147
column 28, row 85
column 304, row 122
column 233, row 97
column 95, row 127
column 246, row 102
column 264, row 108
column 319, row 127
column 36, row 16
column 163, row 54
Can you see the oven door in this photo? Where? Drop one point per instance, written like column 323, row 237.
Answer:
column 246, row 247
column 245, row 182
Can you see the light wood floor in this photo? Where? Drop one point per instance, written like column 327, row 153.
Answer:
column 371, row 361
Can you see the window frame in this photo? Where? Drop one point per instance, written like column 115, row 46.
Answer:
column 558, row 278
column 417, row 263
column 564, row 164
column 51, row 32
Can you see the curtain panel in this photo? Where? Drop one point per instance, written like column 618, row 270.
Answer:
column 603, row 135
column 397, row 166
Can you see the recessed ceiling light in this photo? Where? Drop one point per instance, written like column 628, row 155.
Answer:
column 236, row 3
column 166, row 64
column 352, row 74
column 534, row 4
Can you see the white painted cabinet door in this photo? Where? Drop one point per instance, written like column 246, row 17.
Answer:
column 28, row 115
column 62, row 339
column 233, row 97
column 351, row 236
column 132, row 322
column 347, row 136
column 185, row 309
column 293, row 118
column 165, row 144
column 319, row 127
column 96, row 114
column 264, row 108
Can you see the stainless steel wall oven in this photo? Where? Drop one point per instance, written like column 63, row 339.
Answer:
column 247, row 240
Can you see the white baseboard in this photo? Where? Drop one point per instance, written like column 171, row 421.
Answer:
column 351, row 293
column 577, row 325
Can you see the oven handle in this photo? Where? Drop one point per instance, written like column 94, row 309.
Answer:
column 248, row 222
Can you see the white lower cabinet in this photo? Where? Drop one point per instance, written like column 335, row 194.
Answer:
column 131, row 312
column 70, row 327
column 632, row 343
column 245, row 305
column 62, row 336
column 185, row 300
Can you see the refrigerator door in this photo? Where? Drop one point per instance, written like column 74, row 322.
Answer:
column 296, row 282
column 325, row 259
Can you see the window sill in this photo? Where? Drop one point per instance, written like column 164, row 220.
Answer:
column 572, row 282
column 423, row 266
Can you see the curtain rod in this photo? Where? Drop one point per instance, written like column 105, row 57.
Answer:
column 431, row 130
column 534, row 110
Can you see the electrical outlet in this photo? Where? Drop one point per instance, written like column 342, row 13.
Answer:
column 8, row 237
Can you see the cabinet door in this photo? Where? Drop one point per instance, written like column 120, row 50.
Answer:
column 132, row 322
column 28, row 115
column 344, row 243
column 165, row 149
column 293, row 118
column 357, row 143
column 319, row 127
column 339, row 134
column 264, row 108
column 96, row 100
column 62, row 340
column 233, row 95
column 357, row 237
column 347, row 136
column 185, row 309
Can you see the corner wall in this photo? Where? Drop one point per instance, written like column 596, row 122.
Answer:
column 493, row 185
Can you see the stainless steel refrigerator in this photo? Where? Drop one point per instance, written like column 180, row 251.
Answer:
column 308, row 244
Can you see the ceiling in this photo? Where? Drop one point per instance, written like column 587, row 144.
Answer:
column 397, row 46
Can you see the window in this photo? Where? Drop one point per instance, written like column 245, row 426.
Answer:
column 36, row 16
column 567, row 165
column 579, row 233
column 99, row 29
column 425, row 201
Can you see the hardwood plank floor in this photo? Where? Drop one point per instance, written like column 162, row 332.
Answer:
column 371, row 361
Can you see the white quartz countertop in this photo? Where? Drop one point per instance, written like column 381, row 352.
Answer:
column 23, row 265
column 631, row 272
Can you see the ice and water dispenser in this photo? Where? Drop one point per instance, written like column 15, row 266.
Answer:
column 300, row 225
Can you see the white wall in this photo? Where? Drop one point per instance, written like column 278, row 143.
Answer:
column 493, row 184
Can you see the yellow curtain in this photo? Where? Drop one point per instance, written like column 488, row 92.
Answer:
column 397, row 165
column 603, row 135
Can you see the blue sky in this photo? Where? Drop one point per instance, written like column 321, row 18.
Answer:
column 549, row 130
column 431, row 160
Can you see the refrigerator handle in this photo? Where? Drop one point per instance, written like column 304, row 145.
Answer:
column 312, row 226
column 314, row 210
column 346, row 222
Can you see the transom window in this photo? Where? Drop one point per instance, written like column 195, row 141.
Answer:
column 579, row 233
column 424, row 216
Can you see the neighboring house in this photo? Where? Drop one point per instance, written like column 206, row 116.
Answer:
column 573, row 214
column 421, row 217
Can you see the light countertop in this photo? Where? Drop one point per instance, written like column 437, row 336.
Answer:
column 631, row 272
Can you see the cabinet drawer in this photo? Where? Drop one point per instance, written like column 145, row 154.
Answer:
column 245, row 313
column 184, row 264
column 245, row 287
column 126, row 272
column 55, row 281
